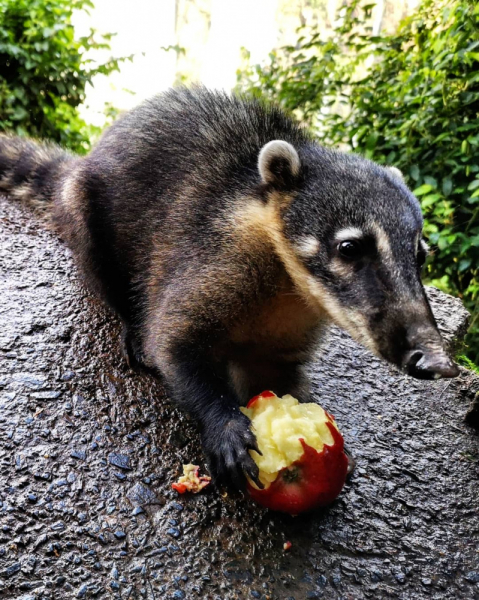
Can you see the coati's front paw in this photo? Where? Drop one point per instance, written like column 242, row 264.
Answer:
column 226, row 447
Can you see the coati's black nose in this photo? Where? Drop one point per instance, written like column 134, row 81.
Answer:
column 422, row 364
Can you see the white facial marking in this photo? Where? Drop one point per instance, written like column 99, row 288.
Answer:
column 350, row 320
column 277, row 149
column 307, row 246
column 382, row 241
column 349, row 233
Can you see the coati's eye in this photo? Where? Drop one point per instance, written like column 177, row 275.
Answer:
column 350, row 249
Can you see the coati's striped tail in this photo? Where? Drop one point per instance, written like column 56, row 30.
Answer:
column 29, row 171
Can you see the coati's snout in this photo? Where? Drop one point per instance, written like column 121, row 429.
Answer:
column 379, row 290
column 412, row 341
column 353, row 230
column 423, row 355
column 423, row 364
column 379, row 298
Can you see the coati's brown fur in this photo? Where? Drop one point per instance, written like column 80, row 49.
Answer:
column 226, row 238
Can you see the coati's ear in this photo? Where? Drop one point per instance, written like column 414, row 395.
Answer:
column 278, row 163
column 395, row 172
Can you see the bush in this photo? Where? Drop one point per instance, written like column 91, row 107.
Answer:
column 44, row 70
column 411, row 100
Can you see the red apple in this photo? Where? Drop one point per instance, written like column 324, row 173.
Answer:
column 303, row 464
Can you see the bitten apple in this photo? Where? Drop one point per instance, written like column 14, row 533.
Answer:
column 303, row 464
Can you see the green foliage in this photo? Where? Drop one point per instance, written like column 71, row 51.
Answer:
column 44, row 70
column 410, row 100
column 463, row 360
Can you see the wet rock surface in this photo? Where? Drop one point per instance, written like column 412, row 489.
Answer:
column 89, row 449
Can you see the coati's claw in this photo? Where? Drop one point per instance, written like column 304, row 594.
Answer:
column 227, row 451
column 252, row 471
column 254, row 446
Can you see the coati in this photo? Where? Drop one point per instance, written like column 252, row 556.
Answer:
column 227, row 238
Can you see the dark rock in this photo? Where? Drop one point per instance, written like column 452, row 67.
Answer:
column 79, row 454
column 67, row 376
column 173, row 532
column 376, row 576
column 28, row 564
column 46, row 395
column 472, row 415
column 42, row 539
column 140, row 494
column 11, row 570
column 30, row 380
column 122, row 461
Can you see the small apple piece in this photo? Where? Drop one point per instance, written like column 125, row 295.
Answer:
column 303, row 465
column 191, row 481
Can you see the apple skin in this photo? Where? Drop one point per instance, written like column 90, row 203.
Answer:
column 266, row 394
column 313, row 481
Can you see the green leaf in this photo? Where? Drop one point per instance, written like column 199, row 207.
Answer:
column 431, row 181
column 446, row 186
column 414, row 172
column 423, row 189
column 429, row 200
